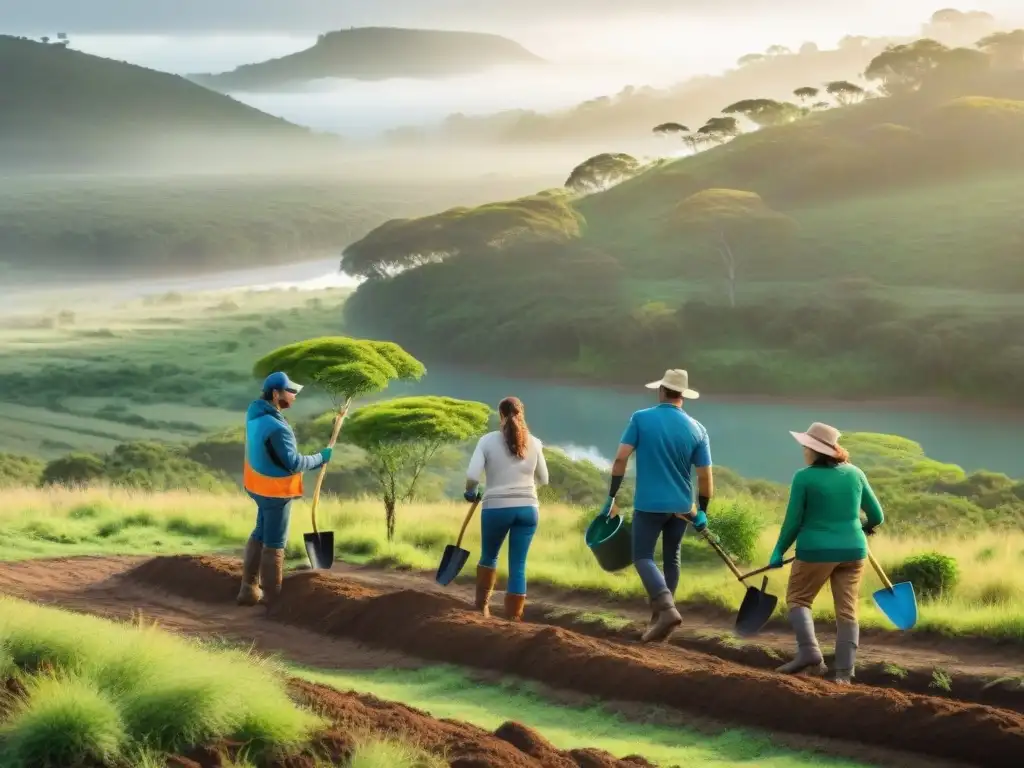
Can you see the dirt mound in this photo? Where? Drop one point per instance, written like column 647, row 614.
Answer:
column 438, row 628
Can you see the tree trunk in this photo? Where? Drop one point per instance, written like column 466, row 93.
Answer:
column 389, row 513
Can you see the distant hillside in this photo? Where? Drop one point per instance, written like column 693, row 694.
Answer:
column 63, row 108
column 377, row 53
column 866, row 249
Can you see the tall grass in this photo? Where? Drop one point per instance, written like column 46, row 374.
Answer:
column 989, row 600
column 102, row 691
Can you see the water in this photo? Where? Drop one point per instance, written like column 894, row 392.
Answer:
column 751, row 438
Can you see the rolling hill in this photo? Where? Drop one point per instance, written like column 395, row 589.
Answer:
column 852, row 252
column 64, row 109
column 376, row 53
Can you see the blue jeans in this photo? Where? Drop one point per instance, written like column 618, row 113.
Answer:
column 647, row 527
column 272, row 517
column 519, row 524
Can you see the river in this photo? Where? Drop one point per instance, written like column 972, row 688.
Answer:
column 749, row 437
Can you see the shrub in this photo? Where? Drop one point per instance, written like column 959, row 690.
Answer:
column 932, row 574
column 738, row 527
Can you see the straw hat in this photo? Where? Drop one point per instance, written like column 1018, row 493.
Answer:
column 677, row 380
column 819, row 437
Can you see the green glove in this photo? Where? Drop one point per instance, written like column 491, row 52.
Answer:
column 326, row 454
column 776, row 559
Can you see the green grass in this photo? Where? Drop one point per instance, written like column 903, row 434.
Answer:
column 448, row 693
column 61, row 522
column 111, row 692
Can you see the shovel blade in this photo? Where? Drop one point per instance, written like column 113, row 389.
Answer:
column 320, row 549
column 755, row 610
column 452, row 562
column 899, row 605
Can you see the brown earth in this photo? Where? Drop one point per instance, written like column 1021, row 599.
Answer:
column 440, row 628
column 982, row 671
column 462, row 745
column 336, row 622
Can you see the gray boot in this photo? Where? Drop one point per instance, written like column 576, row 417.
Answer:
column 847, row 640
column 808, row 653
column 667, row 619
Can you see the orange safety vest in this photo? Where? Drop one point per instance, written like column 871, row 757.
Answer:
column 289, row 487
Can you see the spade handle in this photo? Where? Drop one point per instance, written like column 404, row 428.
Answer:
column 469, row 516
column 338, row 420
column 879, row 571
column 767, row 568
column 722, row 554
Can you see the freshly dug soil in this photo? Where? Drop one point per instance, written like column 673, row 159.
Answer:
column 355, row 716
column 440, row 628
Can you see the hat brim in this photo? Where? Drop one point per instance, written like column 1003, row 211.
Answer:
column 807, row 441
column 689, row 394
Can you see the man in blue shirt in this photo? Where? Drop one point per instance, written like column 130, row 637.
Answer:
column 668, row 444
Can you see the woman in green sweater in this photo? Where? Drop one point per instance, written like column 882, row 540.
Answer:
column 823, row 519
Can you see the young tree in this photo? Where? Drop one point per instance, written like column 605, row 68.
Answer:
column 666, row 129
column 343, row 368
column 401, row 436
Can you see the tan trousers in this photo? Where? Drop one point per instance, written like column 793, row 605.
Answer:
column 807, row 579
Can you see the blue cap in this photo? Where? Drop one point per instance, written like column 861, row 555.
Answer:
column 280, row 380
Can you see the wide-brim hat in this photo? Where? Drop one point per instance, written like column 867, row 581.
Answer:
column 820, row 438
column 677, row 380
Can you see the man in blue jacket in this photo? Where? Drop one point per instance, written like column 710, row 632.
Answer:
column 273, row 478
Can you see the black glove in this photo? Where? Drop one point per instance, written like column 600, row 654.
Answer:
column 869, row 530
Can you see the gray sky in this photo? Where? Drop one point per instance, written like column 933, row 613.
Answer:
column 305, row 16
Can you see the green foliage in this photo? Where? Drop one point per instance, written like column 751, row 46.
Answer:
column 601, row 171
column 933, row 574
column 738, row 524
column 402, row 243
column 100, row 693
column 579, row 483
column 75, row 469
column 425, row 419
column 344, row 368
column 765, row 112
column 19, row 471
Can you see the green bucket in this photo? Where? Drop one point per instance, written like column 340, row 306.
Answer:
column 610, row 539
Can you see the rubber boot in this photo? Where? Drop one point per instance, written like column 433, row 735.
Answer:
column 847, row 640
column 668, row 619
column 486, row 578
column 808, row 653
column 514, row 606
column 271, row 575
column 250, row 594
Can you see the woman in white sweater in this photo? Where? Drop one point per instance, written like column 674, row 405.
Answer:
column 513, row 461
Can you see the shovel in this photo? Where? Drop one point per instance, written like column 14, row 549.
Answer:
column 454, row 558
column 320, row 544
column 896, row 601
column 757, row 606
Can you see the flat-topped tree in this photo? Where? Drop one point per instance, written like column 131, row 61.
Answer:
column 401, row 436
column 344, row 368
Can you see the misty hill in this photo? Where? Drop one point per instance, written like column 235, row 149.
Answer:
column 377, row 53
column 854, row 251
column 64, row 108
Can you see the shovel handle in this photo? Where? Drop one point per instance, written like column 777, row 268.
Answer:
column 722, row 554
column 338, row 420
column 767, row 568
column 465, row 523
column 879, row 571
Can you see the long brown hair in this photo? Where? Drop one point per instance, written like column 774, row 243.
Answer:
column 514, row 430
column 824, row 460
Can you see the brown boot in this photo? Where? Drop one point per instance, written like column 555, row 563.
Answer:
column 514, row 606
column 667, row 620
column 250, row 593
column 271, row 575
column 486, row 578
